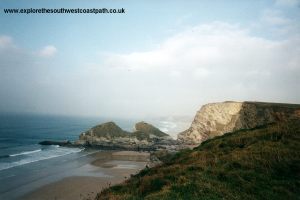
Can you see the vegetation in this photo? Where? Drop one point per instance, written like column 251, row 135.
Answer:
column 149, row 129
column 261, row 163
column 111, row 130
column 108, row 129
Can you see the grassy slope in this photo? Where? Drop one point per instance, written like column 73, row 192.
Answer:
column 143, row 127
column 261, row 163
column 111, row 130
column 108, row 129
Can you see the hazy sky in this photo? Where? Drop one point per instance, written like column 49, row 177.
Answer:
column 161, row 58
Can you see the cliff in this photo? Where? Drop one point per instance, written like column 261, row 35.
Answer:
column 216, row 119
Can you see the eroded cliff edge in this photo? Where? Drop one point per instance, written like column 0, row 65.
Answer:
column 215, row 119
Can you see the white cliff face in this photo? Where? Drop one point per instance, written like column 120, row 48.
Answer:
column 216, row 119
column 211, row 120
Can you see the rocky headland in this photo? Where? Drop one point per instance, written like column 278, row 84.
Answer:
column 216, row 119
column 110, row 136
column 213, row 119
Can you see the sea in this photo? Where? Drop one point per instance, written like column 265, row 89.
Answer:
column 25, row 165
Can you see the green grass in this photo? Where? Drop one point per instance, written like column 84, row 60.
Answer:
column 261, row 163
column 149, row 129
column 108, row 130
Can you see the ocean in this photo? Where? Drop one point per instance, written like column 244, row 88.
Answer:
column 26, row 165
column 20, row 135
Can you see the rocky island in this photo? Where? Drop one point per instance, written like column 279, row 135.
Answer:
column 110, row 136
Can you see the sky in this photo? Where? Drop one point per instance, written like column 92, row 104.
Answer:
column 159, row 59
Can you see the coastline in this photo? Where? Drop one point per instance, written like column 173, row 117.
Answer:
column 109, row 168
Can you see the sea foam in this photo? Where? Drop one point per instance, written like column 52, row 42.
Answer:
column 37, row 155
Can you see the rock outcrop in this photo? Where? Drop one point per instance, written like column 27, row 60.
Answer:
column 216, row 119
column 150, row 129
column 143, row 130
column 111, row 136
column 108, row 130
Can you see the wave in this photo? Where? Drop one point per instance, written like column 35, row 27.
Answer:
column 38, row 155
column 25, row 152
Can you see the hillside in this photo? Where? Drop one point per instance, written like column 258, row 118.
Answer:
column 260, row 163
column 149, row 129
column 215, row 119
column 108, row 130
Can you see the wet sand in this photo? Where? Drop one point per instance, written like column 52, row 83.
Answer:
column 108, row 168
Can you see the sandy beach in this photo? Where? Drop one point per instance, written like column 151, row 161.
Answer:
column 108, row 168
